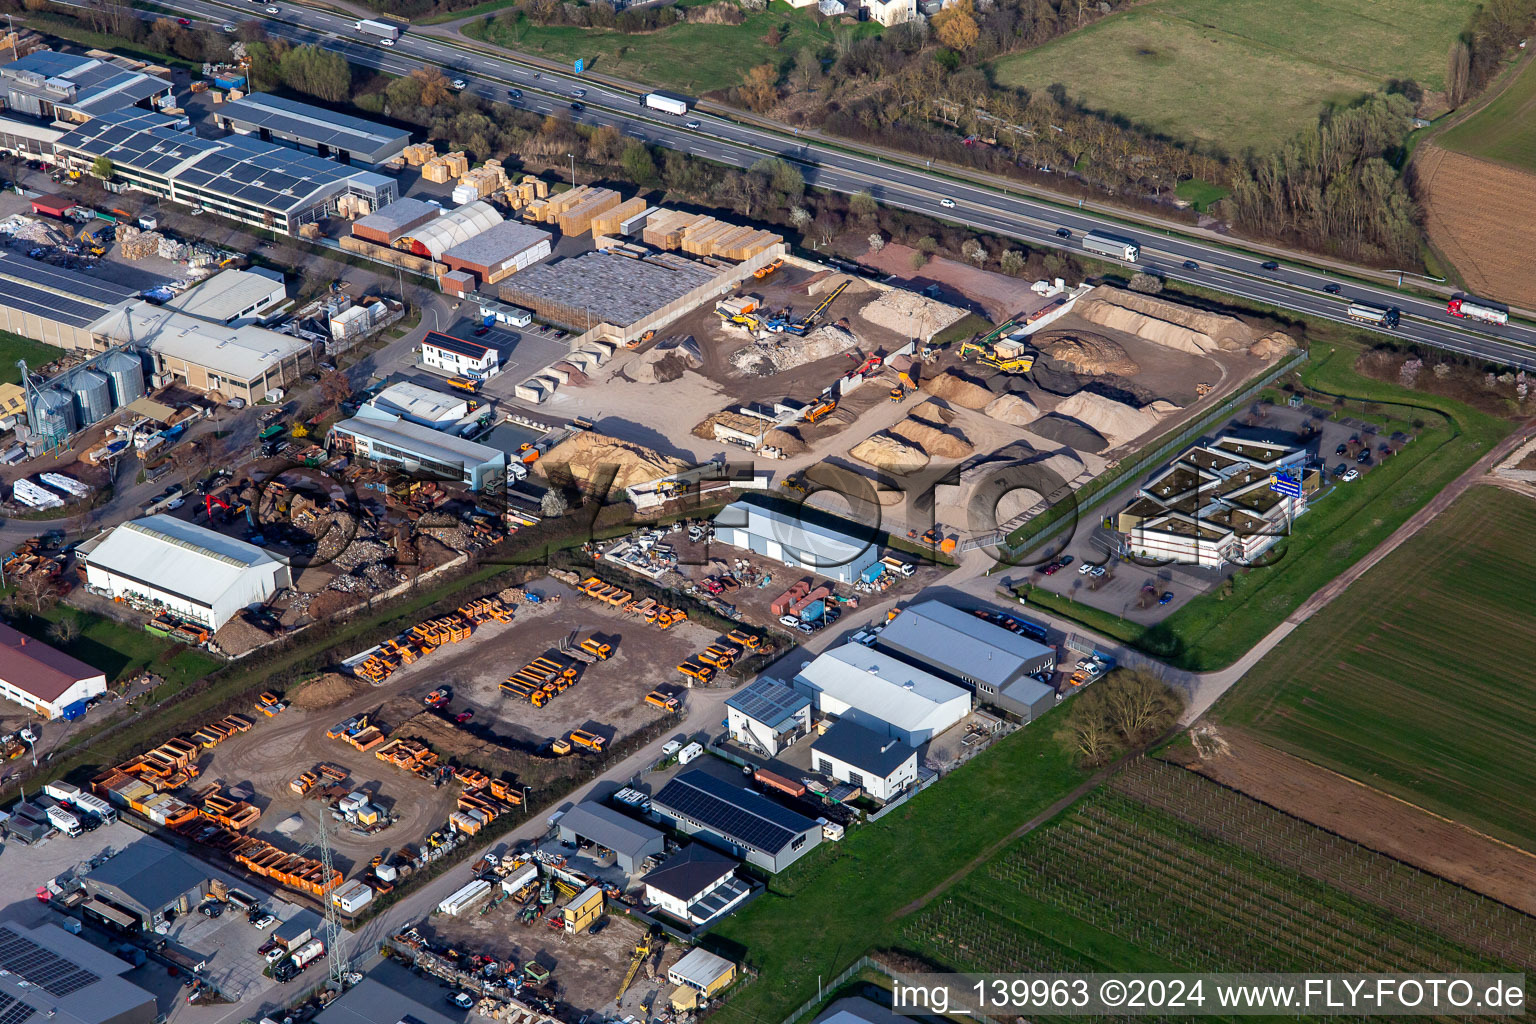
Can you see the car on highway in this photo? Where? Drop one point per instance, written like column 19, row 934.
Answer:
column 692, row 126
column 1351, row 475
column 271, row 10
column 1063, row 233
column 1331, row 289
column 578, row 93
column 1167, row 596
column 577, row 107
column 1191, row 265
column 459, row 84
column 947, row 203
column 226, row 27
column 1269, row 265
column 386, row 42
column 183, row 22
column 516, row 94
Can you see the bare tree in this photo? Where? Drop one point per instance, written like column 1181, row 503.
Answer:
column 66, row 630
column 39, row 590
column 1138, row 705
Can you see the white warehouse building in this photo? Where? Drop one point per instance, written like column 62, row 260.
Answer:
column 191, row 571
column 882, row 694
column 796, row 540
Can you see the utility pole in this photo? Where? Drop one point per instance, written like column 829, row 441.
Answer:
column 333, row 949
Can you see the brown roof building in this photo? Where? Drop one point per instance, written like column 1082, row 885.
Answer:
column 44, row 678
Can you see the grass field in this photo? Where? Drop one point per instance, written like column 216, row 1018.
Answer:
column 791, row 934
column 1339, row 529
column 1234, row 77
column 1504, row 130
column 119, row 650
column 1163, row 870
column 1432, row 696
column 692, row 58
column 14, row 347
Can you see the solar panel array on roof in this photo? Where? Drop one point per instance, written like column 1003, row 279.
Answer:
column 42, row 967
column 768, row 702
column 737, row 814
column 13, row 1011
column 316, row 125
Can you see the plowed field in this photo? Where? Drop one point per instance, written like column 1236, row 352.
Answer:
column 1478, row 215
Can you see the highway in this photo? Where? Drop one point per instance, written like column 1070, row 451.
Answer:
column 1299, row 290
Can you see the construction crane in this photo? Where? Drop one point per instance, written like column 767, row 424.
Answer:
column 642, row 950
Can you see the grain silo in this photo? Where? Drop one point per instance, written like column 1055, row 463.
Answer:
column 125, row 372
column 51, row 415
column 93, row 396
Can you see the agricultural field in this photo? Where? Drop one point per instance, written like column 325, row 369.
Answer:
column 1406, row 699
column 1504, row 131
column 1477, row 214
column 1234, row 77
column 694, row 58
column 1164, row 870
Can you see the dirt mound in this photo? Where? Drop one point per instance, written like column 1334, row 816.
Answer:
column 782, row 352
column 668, row 361
column 1164, row 323
column 1012, row 409
column 583, row 455
column 1115, row 421
column 786, row 441
column 1072, row 433
column 1086, row 352
column 908, row 313
column 889, row 454
column 1272, row 345
column 958, row 390
column 705, row 428
column 927, row 428
column 325, row 690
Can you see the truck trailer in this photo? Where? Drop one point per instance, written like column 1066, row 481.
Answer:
column 666, row 104
column 1476, row 310
column 378, row 29
column 1112, row 246
column 1375, row 316
column 308, row 953
column 465, row 898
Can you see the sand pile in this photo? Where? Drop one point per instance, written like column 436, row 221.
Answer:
column 927, row 428
column 1015, row 410
column 782, row 352
column 1271, row 345
column 725, row 417
column 909, row 314
column 1164, row 323
column 890, row 454
column 668, row 361
column 786, row 441
column 1086, row 352
column 1115, row 421
column 1072, row 433
column 588, row 453
column 958, row 390
column 325, row 690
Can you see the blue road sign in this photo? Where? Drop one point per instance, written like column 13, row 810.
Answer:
column 580, row 63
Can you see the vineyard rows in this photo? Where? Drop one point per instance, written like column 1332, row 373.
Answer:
column 1462, row 916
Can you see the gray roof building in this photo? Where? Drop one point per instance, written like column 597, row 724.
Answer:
column 385, row 437
column 631, row 841
column 605, row 287
column 48, row 976
column 809, row 539
column 767, row 716
column 961, row 648
column 747, row 824
column 148, row 878
column 882, row 765
column 69, row 87
column 372, row 1002
column 54, row 305
column 400, row 217
column 326, row 133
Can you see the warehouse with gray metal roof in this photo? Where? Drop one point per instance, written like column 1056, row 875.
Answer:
column 326, row 133
column 54, row 305
column 607, row 288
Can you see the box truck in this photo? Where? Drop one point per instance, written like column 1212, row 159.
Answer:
column 465, row 898
column 666, row 104
column 1375, row 316
column 378, row 29
column 1112, row 246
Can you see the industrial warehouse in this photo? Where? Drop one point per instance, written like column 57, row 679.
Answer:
column 740, row 821
column 44, row 679
column 46, row 973
column 801, row 540
column 341, row 137
column 383, row 437
column 883, row 694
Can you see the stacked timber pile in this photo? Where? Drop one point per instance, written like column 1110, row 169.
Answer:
column 609, row 221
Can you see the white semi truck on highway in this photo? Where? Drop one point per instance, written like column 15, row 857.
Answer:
column 380, row 29
column 1376, row 316
column 1112, row 246
column 1477, row 311
column 666, row 104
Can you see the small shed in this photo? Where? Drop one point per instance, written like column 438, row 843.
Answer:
column 702, row 971
column 52, row 206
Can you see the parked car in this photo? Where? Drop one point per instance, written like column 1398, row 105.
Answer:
column 1351, row 475
column 1340, row 469
column 482, row 331
column 1097, row 570
column 463, row 716
column 1064, row 561
column 805, row 627
column 789, row 620
column 1051, row 568
column 1167, row 596
column 275, row 954
column 264, row 922
column 1341, row 449
column 462, row 1000
column 176, row 503
column 1085, row 569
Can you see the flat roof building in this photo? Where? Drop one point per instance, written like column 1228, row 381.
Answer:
column 148, row 879
column 420, row 405
column 499, row 251
column 194, row 572
column 805, row 539
column 55, row 305
column 881, row 765
column 47, row 974
column 45, row 679
column 370, row 1001
column 959, row 647
column 702, row 971
column 767, row 716
column 239, row 177
column 69, row 87
column 389, row 224
column 233, row 296
column 436, row 236
column 236, row 361
column 695, row 885
column 459, row 357
column 381, row 436
column 883, row 694
column 603, row 287
column 740, row 821
column 631, row 841
column 326, row 133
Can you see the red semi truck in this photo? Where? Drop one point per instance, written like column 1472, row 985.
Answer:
column 1476, row 310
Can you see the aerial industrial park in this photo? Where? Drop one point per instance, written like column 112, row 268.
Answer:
column 447, row 580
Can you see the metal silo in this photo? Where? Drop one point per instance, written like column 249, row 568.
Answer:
column 126, row 374
column 51, row 415
column 93, row 396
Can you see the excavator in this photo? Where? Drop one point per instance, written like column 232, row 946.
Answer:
column 1007, row 356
